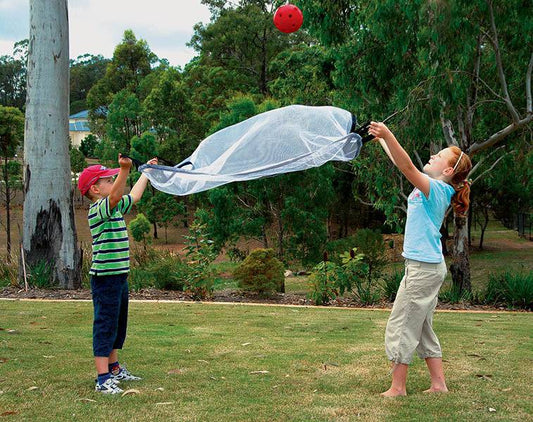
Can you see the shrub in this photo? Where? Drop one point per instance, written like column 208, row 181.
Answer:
column 261, row 272
column 356, row 279
column 335, row 248
column 40, row 274
column 391, row 283
column 200, row 277
column 514, row 290
column 140, row 228
column 455, row 295
column 371, row 244
column 324, row 282
column 8, row 271
column 164, row 270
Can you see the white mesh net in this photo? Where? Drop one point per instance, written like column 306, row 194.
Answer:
column 279, row 141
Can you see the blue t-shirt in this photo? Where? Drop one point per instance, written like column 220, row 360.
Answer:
column 424, row 218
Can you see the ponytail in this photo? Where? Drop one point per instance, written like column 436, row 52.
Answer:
column 461, row 167
column 461, row 198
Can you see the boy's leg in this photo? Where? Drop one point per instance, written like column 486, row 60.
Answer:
column 101, row 364
column 106, row 301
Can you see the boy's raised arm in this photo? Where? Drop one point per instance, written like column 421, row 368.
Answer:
column 138, row 189
column 120, row 182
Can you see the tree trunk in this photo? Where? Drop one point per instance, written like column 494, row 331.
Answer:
column 460, row 268
column 49, row 231
column 8, row 209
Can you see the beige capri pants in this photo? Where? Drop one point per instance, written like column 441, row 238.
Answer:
column 410, row 323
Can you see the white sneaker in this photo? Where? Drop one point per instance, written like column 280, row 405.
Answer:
column 108, row 387
column 124, row 375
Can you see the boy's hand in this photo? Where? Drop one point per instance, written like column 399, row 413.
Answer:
column 379, row 130
column 124, row 163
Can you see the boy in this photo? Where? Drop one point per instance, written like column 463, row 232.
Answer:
column 110, row 265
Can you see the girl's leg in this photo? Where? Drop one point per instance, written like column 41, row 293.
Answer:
column 399, row 380
column 436, row 372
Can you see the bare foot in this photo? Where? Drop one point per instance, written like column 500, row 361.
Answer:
column 393, row 392
column 436, row 390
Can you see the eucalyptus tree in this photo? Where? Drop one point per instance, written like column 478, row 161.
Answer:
column 49, row 232
column 459, row 71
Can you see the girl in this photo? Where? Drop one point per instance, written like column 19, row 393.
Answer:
column 409, row 328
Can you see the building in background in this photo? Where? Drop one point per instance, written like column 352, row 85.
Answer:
column 78, row 127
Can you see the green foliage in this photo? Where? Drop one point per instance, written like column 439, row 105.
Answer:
column 123, row 120
column 371, row 244
column 200, row 254
column 164, row 270
column 511, row 289
column 8, row 271
column 77, row 160
column 356, row 278
column 40, row 274
column 455, row 295
column 11, row 130
column 391, row 283
column 261, row 272
column 85, row 71
column 13, row 78
column 162, row 209
column 140, row 229
column 324, row 282
column 335, row 248
column 88, row 145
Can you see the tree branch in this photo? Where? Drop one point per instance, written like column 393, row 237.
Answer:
column 447, row 129
column 498, row 136
column 489, row 169
column 529, row 106
column 499, row 65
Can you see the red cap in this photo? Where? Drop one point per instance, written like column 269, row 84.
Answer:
column 91, row 174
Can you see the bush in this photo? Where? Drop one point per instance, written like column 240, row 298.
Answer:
column 514, row 290
column 200, row 277
column 455, row 295
column 164, row 271
column 8, row 271
column 40, row 274
column 335, row 248
column 391, row 284
column 356, row 278
column 140, row 228
column 324, row 282
column 261, row 272
column 371, row 244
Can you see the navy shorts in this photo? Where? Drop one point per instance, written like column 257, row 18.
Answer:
column 110, row 300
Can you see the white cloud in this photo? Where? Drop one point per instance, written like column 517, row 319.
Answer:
column 97, row 26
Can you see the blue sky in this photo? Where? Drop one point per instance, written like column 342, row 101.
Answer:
column 97, row 26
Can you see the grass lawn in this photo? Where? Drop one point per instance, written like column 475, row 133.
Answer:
column 202, row 362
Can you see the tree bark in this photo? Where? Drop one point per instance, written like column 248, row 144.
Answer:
column 460, row 267
column 49, row 232
column 8, row 209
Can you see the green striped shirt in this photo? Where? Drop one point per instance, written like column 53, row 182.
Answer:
column 111, row 252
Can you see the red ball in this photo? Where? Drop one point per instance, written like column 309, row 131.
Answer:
column 288, row 18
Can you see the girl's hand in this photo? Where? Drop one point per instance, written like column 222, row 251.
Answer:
column 379, row 130
column 153, row 161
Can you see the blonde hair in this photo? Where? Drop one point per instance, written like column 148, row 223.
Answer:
column 462, row 165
